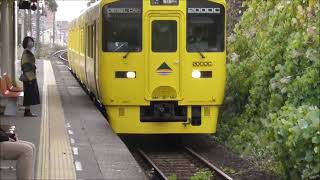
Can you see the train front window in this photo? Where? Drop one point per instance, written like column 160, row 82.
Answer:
column 205, row 27
column 164, row 36
column 122, row 28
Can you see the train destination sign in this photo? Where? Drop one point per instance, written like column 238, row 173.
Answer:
column 124, row 10
column 164, row 2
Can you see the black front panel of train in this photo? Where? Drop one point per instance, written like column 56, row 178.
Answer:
column 163, row 112
column 205, row 26
column 122, row 26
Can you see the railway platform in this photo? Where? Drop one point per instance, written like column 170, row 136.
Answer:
column 73, row 139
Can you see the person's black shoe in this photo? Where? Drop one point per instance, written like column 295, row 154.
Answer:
column 29, row 114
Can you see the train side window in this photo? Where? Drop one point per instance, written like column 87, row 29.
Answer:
column 122, row 26
column 164, row 36
column 91, row 40
column 88, row 42
column 94, row 39
column 81, row 41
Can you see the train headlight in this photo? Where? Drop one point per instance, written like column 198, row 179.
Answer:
column 131, row 74
column 196, row 74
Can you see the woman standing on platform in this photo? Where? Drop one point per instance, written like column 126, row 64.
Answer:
column 30, row 84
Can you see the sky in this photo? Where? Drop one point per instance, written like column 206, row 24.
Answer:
column 69, row 9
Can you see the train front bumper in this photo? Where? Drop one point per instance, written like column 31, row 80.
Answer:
column 127, row 120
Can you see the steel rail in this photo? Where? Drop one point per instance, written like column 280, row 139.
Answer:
column 61, row 58
column 60, row 55
column 63, row 50
column 219, row 172
column 213, row 167
column 144, row 155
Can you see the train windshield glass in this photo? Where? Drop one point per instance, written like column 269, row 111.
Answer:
column 122, row 28
column 164, row 36
column 205, row 27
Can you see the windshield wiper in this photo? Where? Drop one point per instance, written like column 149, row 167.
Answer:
column 201, row 54
column 126, row 55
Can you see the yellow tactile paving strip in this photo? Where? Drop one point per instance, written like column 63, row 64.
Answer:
column 55, row 159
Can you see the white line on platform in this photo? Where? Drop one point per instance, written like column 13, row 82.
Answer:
column 70, row 132
column 68, row 125
column 72, row 141
column 75, row 150
column 78, row 165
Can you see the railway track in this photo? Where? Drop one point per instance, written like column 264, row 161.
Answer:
column 180, row 162
column 59, row 54
column 62, row 56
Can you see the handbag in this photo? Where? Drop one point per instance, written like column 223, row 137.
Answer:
column 23, row 77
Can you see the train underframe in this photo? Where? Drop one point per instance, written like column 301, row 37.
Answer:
column 163, row 118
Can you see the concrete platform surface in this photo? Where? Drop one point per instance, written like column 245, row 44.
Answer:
column 74, row 140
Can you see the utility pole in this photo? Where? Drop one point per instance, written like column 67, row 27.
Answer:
column 25, row 23
column 30, row 21
column 38, row 31
column 54, row 28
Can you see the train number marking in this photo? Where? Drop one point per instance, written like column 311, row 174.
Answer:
column 204, row 10
column 202, row 64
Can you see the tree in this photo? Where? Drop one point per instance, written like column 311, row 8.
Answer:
column 52, row 4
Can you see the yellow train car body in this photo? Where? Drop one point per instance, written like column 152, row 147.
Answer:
column 157, row 66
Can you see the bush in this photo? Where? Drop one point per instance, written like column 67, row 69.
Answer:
column 202, row 174
column 273, row 71
column 297, row 140
column 172, row 177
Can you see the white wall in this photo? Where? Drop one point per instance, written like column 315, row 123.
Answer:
column 0, row 37
column 7, row 35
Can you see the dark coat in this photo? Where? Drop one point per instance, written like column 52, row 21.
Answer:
column 28, row 65
column 30, row 87
column 3, row 136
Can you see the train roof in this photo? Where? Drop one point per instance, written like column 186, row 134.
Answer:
column 74, row 21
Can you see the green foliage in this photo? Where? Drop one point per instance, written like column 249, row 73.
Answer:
column 296, row 140
column 273, row 78
column 202, row 174
column 172, row 177
column 234, row 12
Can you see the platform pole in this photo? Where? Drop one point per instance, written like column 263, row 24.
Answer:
column 38, row 31
column 14, row 35
column 4, row 64
column 1, row 24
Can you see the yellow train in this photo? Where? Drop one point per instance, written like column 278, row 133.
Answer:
column 157, row 66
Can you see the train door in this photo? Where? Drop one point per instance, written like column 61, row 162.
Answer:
column 97, row 57
column 94, row 44
column 164, row 58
